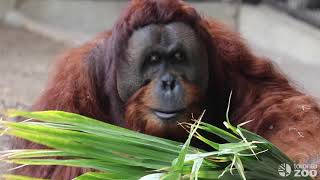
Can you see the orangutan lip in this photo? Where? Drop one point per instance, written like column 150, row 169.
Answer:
column 167, row 115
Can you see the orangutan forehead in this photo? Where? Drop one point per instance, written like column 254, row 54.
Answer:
column 164, row 35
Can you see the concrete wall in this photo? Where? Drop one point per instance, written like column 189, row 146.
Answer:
column 80, row 20
column 292, row 44
column 5, row 6
column 95, row 16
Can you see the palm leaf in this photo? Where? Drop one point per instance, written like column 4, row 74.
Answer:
column 118, row 153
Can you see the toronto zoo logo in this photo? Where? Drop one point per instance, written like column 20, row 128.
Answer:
column 284, row 170
column 298, row 170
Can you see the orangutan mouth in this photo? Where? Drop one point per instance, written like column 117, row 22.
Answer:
column 166, row 115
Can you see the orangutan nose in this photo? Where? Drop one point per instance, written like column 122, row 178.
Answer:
column 168, row 82
column 170, row 93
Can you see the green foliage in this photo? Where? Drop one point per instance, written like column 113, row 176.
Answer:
column 118, row 153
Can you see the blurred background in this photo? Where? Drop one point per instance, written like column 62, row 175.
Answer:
column 33, row 32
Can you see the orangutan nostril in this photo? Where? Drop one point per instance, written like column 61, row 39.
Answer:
column 168, row 82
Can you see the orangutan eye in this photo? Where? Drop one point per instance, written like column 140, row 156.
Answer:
column 179, row 56
column 154, row 58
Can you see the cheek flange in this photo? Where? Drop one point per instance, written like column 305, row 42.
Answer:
column 128, row 82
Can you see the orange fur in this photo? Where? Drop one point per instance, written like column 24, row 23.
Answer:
column 139, row 117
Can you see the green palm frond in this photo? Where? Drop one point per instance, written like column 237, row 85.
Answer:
column 118, row 153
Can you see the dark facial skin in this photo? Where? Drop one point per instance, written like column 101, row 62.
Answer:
column 168, row 55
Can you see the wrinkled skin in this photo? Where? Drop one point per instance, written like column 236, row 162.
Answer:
column 169, row 56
